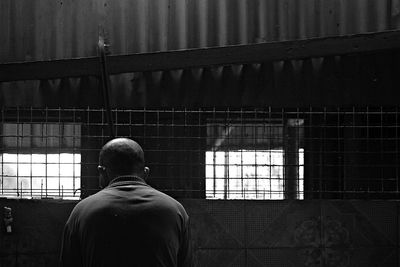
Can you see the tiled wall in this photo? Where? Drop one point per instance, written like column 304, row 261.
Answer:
column 238, row 233
column 306, row 233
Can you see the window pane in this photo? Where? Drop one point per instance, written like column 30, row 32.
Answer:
column 40, row 175
column 248, row 174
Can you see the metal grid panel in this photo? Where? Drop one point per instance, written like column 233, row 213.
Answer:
column 211, row 153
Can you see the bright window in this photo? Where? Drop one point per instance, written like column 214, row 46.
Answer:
column 244, row 174
column 40, row 160
column 254, row 160
column 40, row 175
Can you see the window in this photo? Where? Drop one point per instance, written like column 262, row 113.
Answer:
column 254, row 160
column 40, row 160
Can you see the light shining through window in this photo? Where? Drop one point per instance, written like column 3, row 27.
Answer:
column 249, row 174
column 40, row 175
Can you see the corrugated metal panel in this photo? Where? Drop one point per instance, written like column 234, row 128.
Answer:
column 49, row 29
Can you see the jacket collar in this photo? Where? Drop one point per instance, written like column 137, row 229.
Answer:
column 126, row 180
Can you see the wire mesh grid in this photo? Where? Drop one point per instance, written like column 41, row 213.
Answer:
column 300, row 153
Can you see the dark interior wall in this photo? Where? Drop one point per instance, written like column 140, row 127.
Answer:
column 352, row 154
column 37, row 231
column 236, row 233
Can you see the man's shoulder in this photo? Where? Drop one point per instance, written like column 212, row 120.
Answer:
column 169, row 201
column 90, row 202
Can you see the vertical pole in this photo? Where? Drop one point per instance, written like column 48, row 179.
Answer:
column 291, row 158
column 105, row 84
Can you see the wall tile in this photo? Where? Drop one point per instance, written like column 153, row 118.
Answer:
column 216, row 224
column 8, row 242
column 7, row 260
column 286, row 257
column 361, row 257
column 220, row 257
column 35, row 260
column 359, row 224
column 296, row 224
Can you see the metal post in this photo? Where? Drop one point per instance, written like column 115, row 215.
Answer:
column 105, row 84
column 291, row 159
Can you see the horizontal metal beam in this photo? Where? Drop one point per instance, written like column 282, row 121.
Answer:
column 194, row 58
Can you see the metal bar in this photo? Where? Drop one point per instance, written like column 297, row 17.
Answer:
column 291, row 158
column 105, row 85
column 195, row 58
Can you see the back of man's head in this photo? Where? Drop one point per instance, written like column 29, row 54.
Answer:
column 122, row 156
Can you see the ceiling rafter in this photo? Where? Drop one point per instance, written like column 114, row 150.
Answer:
column 204, row 57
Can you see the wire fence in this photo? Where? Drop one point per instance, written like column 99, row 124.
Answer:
column 300, row 153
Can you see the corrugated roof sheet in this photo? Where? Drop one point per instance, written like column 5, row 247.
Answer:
column 48, row 29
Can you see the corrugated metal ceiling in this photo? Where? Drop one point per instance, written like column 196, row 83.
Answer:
column 49, row 29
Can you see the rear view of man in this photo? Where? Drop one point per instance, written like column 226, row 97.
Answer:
column 128, row 223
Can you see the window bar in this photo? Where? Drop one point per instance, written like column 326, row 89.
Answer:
column 226, row 174
column 226, row 162
column 116, row 122
column 297, row 128
column 381, row 148
column 131, row 122
column 87, row 189
column 255, row 152
column 290, row 157
column 214, row 158
column 283, row 139
column 30, row 150
column 271, row 139
column 311, row 174
column 368, row 148
column 170, row 145
column 18, row 146
column 46, row 149
column 199, row 149
column 339, row 151
column 285, row 155
column 356, row 119
column 397, row 150
column 242, row 184
column 158, row 130
column 144, row 126
column 60, row 139
column 184, row 141
column 2, row 151
column 322, row 165
column 354, row 126
column 103, row 114
column 74, row 152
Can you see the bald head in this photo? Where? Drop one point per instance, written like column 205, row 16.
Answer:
column 122, row 156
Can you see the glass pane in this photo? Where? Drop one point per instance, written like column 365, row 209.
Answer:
column 249, row 174
column 40, row 175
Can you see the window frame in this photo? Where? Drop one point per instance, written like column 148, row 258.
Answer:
column 43, row 116
column 286, row 123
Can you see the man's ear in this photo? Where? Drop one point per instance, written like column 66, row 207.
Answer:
column 102, row 176
column 146, row 172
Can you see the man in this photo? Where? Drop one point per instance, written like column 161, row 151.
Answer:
column 128, row 223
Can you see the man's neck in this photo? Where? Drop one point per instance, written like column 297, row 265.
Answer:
column 127, row 177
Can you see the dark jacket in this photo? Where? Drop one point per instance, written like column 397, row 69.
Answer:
column 128, row 223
